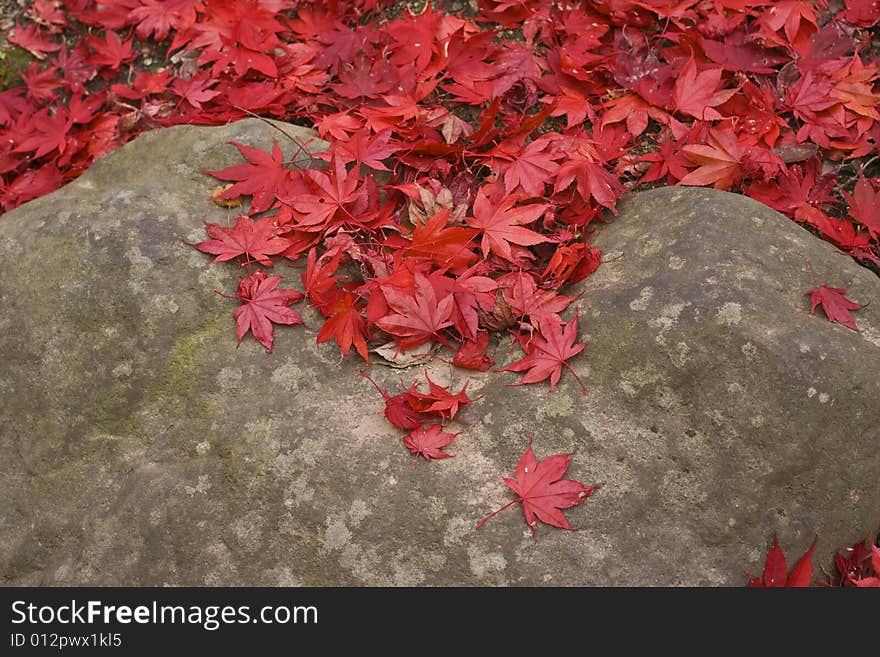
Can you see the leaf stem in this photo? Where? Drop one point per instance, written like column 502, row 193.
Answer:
column 497, row 511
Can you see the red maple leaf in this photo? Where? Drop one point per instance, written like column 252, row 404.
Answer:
column 872, row 581
column 718, row 160
column 418, row 317
column 543, row 492
column 319, row 283
column 11, row 105
column 159, row 17
column 501, row 224
column 256, row 240
column 526, row 299
column 835, row 305
column 635, row 111
column 859, row 566
column 398, row 411
column 525, row 168
column 346, row 326
column 333, row 191
column 735, row 54
column 798, row 19
column 797, row 189
column 471, row 294
column 697, row 94
column 340, row 125
column 111, row 52
column 776, row 570
column 367, row 150
column 572, row 263
column 31, row 184
column 195, row 91
column 439, row 399
column 265, row 177
column 592, row 180
column 414, row 36
column 864, row 205
column 472, row 354
column 262, row 305
column 547, row 354
column 47, row 132
column 447, row 246
column 366, row 78
column 429, row 442
column 34, row 40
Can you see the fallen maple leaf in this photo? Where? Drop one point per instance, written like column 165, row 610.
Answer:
column 419, row 317
column 256, row 240
column 472, row 354
column 858, row 566
column 501, row 224
column 547, row 354
column 864, row 205
column 398, row 411
column 543, row 492
column 439, row 399
column 429, row 442
column 697, row 94
column 264, row 304
column 264, row 177
column 447, row 246
column 776, row 570
column 158, row 17
column 719, row 160
column 34, row 40
column 111, row 52
column 347, row 327
column 320, row 285
column 835, row 305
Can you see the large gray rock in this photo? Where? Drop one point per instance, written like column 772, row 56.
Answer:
column 139, row 446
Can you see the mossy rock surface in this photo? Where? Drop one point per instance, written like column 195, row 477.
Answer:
column 142, row 446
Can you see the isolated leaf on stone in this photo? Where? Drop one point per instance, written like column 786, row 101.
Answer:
column 833, row 302
column 542, row 491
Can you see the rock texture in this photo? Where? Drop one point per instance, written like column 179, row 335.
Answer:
column 139, row 446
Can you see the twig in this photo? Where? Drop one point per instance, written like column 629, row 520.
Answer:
column 296, row 141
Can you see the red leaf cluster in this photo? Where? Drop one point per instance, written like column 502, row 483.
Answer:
column 859, row 567
column 468, row 166
column 411, row 410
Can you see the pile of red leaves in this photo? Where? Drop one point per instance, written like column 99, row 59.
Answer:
column 470, row 155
